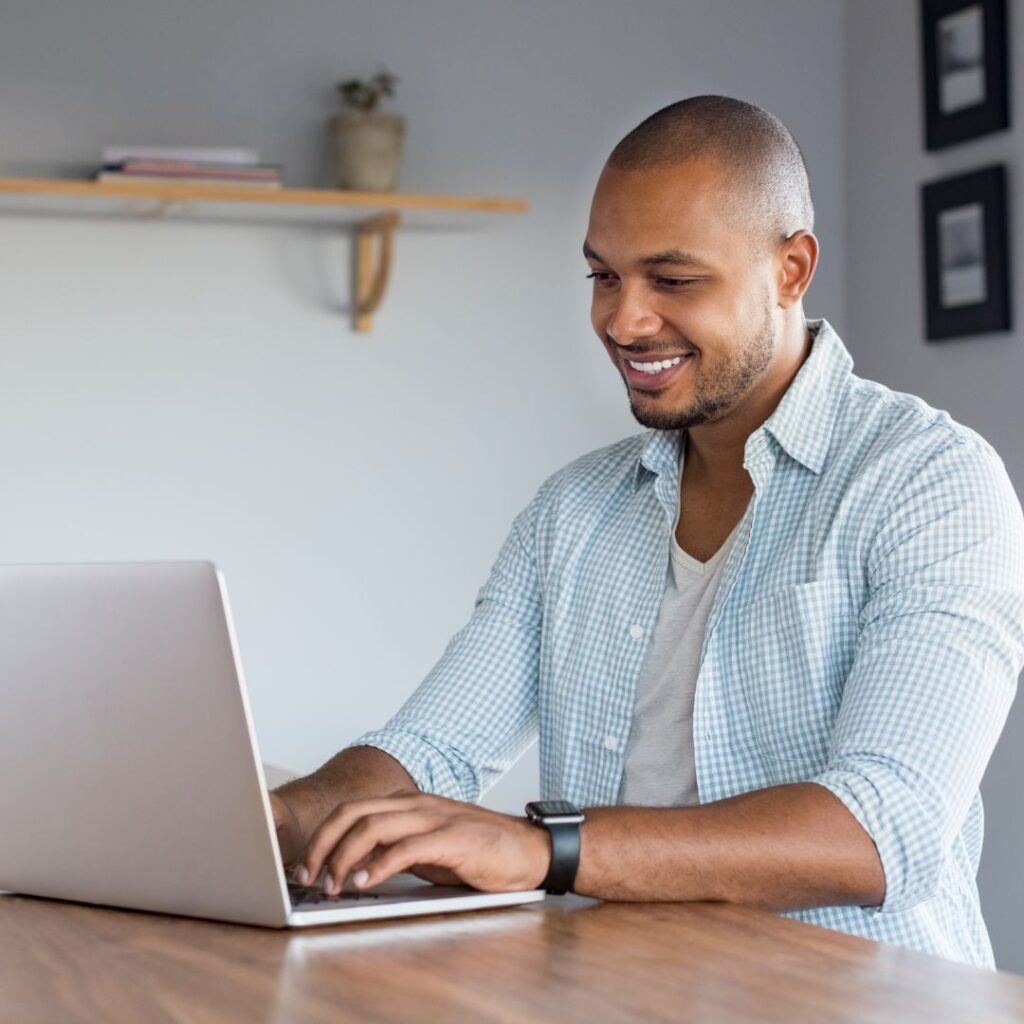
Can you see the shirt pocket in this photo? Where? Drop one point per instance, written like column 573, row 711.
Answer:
column 795, row 648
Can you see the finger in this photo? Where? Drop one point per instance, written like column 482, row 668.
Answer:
column 366, row 835
column 339, row 821
column 430, row 849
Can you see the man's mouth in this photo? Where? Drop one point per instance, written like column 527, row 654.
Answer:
column 653, row 375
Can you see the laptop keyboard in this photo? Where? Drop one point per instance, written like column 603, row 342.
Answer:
column 307, row 894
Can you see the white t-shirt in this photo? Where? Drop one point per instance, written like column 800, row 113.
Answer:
column 659, row 768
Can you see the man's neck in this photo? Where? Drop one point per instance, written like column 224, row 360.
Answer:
column 714, row 451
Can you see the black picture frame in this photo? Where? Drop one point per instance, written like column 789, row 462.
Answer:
column 966, row 254
column 966, row 90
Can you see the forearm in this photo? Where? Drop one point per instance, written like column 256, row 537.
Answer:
column 356, row 773
column 784, row 848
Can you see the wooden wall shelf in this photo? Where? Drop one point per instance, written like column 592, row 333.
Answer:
column 372, row 215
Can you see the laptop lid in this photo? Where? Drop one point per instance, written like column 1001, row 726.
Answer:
column 131, row 774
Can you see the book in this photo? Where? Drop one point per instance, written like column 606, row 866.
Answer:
column 184, row 168
column 235, row 155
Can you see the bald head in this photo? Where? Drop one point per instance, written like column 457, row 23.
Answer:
column 764, row 170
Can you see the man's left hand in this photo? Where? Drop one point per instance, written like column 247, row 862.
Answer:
column 443, row 841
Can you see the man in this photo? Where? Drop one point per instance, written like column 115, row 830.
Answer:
column 768, row 645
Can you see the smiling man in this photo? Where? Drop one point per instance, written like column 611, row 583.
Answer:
column 767, row 645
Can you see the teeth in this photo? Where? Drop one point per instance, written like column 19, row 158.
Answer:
column 656, row 367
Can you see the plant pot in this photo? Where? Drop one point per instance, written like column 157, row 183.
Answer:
column 366, row 150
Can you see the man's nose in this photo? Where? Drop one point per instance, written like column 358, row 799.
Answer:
column 632, row 316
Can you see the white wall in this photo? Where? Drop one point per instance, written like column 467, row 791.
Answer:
column 174, row 390
column 977, row 379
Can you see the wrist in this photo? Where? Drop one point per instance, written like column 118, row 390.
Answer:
column 561, row 821
column 306, row 802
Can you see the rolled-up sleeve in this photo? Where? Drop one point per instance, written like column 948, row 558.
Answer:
column 940, row 648
column 476, row 711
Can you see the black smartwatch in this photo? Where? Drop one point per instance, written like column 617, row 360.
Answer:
column 563, row 820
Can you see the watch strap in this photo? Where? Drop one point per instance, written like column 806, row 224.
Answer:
column 563, row 821
column 565, row 856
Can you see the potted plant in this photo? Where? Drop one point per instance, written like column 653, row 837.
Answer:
column 366, row 146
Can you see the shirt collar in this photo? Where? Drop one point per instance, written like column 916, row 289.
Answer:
column 803, row 420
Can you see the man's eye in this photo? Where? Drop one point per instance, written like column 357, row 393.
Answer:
column 602, row 276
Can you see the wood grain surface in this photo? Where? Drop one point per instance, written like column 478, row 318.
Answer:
column 567, row 959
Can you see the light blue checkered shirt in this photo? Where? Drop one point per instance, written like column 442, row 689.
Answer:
column 867, row 636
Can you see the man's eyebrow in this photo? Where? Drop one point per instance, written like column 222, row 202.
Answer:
column 674, row 257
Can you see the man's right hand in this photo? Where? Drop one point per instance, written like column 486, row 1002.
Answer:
column 356, row 773
column 290, row 838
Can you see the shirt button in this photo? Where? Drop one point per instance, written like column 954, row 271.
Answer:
column 611, row 743
column 636, row 631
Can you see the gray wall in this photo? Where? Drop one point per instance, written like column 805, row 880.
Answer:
column 175, row 390
column 977, row 379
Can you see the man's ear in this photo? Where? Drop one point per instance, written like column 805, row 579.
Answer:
column 797, row 258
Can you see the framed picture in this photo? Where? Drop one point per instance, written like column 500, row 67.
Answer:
column 966, row 254
column 965, row 87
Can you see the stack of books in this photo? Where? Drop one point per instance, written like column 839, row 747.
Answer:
column 188, row 165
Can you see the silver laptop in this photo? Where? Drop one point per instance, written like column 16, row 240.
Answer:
column 129, row 771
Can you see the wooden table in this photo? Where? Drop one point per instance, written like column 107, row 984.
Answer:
column 567, row 959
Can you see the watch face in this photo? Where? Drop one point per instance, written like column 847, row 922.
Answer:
column 554, row 811
column 556, row 807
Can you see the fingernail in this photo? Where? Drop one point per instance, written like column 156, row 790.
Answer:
column 360, row 878
column 302, row 875
column 328, row 883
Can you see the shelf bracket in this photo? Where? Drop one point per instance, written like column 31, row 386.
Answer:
column 371, row 277
column 158, row 209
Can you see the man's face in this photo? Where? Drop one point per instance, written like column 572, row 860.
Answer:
column 679, row 273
